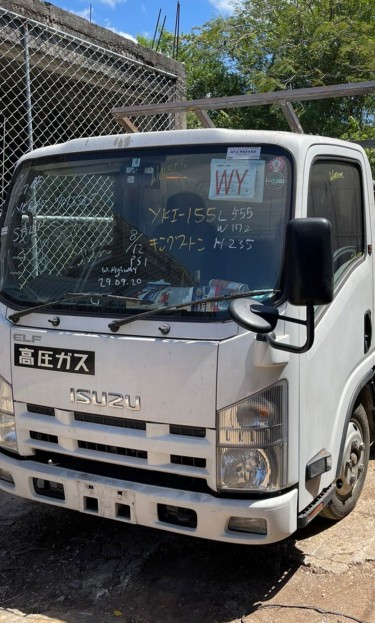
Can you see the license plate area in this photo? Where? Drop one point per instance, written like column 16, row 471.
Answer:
column 104, row 501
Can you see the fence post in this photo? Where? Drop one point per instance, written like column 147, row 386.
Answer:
column 29, row 114
column 3, row 165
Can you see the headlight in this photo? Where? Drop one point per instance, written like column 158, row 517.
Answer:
column 7, row 422
column 252, row 442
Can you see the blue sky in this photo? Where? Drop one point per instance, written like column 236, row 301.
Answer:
column 133, row 17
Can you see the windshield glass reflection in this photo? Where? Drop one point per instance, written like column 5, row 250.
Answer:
column 161, row 226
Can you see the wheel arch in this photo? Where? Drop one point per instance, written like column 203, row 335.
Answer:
column 365, row 395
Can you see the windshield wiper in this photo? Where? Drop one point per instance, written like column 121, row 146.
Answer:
column 72, row 296
column 116, row 324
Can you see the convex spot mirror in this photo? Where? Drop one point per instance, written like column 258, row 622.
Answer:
column 253, row 316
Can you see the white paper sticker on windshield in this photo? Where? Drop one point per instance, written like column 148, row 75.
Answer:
column 243, row 153
column 237, row 180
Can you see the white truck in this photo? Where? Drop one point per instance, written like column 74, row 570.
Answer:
column 186, row 326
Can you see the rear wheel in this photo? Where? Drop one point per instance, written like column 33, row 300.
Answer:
column 354, row 465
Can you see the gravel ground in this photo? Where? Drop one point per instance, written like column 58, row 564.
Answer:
column 60, row 566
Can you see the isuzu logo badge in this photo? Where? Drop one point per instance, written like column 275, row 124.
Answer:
column 104, row 399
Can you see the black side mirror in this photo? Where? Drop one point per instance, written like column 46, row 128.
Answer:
column 309, row 261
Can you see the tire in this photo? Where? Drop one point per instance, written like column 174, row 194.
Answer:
column 350, row 481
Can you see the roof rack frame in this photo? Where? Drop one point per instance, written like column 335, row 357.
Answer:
column 283, row 98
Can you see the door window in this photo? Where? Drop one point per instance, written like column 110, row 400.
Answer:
column 335, row 193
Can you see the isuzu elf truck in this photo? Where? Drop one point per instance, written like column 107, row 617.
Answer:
column 186, row 321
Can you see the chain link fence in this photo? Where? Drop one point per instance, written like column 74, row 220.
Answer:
column 63, row 221
column 55, row 87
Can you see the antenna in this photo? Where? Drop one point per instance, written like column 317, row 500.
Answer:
column 161, row 33
column 176, row 32
column 156, row 29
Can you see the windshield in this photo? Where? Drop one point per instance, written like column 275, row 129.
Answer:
column 161, row 226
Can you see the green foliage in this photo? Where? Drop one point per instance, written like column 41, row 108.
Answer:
column 207, row 71
column 281, row 45
column 356, row 133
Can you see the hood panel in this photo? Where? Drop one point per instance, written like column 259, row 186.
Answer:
column 152, row 379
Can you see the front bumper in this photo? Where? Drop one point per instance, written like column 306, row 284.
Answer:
column 139, row 503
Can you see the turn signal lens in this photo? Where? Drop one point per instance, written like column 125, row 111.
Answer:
column 8, row 438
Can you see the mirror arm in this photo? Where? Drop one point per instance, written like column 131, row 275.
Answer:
column 310, row 331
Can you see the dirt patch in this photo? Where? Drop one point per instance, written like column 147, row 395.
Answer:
column 57, row 565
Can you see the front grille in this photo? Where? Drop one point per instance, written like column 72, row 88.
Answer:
column 41, row 410
column 110, row 438
column 188, row 460
column 120, row 422
column 107, row 420
column 124, row 472
column 43, row 437
column 187, row 431
column 101, row 447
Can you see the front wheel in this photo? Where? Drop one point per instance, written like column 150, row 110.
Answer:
column 354, row 465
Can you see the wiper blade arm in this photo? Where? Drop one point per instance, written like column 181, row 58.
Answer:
column 116, row 324
column 71, row 296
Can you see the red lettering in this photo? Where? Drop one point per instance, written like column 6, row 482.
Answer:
column 222, row 181
column 240, row 180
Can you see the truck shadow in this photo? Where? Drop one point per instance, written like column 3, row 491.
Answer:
column 79, row 568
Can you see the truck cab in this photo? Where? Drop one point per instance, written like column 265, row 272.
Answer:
column 186, row 320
